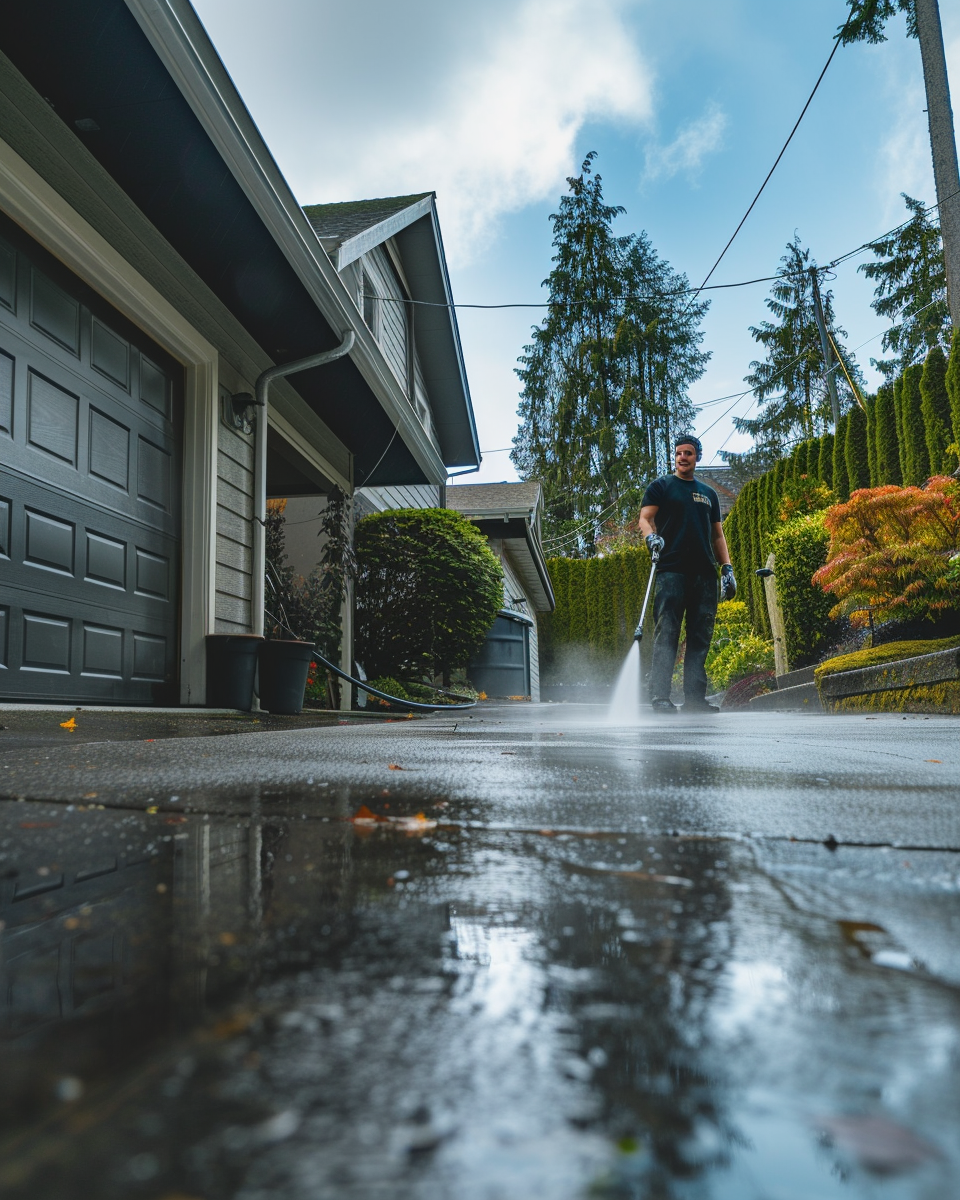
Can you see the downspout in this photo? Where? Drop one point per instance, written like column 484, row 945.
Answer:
column 260, row 464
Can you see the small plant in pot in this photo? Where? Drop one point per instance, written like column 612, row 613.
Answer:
column 303, row 613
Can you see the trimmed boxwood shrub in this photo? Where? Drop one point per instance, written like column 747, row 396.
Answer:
column 800, row 547
column 428, row 590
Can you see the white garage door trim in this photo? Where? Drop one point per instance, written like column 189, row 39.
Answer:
column 30, row 201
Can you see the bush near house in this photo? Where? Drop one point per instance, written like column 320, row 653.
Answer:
column 428, row 589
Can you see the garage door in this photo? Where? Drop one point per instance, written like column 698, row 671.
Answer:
column 90, row 418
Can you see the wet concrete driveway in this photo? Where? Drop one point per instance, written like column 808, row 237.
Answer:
column 519, row 954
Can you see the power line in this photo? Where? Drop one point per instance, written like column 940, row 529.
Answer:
column 836, row 46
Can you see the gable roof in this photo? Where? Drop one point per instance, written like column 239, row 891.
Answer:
column 351, row 228
column 510, row 513
column 501, row 499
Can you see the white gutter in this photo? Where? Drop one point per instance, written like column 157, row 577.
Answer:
column 260, row 467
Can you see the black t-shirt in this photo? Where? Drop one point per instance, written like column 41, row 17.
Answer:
column 686, row 512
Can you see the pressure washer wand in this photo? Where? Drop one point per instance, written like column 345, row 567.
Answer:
column 638, row 632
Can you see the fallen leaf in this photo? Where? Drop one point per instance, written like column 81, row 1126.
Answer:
column 175, row 821
column 936, row 760
column 394, row 767
column 363, row 816
column 152, row 808
column 89, row 795
column 71, row 724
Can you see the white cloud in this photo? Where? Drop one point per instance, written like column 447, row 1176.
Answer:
column 689, row 148
column 499, row 128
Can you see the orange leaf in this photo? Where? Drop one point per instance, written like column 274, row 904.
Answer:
column 363, row 816
column 394, row 767
column 71, row 724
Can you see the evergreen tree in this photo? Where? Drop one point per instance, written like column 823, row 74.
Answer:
column 825, row 460
column 810, row 465
column 898, row 421
column 855, row 449
column 841, row 480
column 871, row 434
column 914, row 435
column 789, row 382
column 887, row 449
column 606, row 376
column 911, row 289
column 935, row 406
column 953, row 385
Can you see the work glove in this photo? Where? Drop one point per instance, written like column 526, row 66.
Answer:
column 654, row 543
column 728, row 584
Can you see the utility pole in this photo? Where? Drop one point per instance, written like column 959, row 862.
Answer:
column 943, row 144
column 829, row 374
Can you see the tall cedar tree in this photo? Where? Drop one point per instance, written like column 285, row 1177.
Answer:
column 887, row 451
column 911, row 289
column 605, row 377
column 953, row 384
column 789, row 382
column 855, row 449
column 916, row 455
column 935, row 406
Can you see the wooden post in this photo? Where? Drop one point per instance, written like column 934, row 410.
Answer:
column 775, row 612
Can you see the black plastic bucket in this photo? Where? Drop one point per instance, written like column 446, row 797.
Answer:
column 283, row 675
column 231, row 669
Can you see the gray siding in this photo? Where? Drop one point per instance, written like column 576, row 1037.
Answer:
column 391, row 326
column 513, row 589
column 234, row 530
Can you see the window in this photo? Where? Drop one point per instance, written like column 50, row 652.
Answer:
column 371, row 304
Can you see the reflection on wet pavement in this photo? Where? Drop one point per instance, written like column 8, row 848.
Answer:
column 298, row 1005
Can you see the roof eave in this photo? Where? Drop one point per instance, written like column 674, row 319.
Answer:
column 362, row 243
column 180, row 41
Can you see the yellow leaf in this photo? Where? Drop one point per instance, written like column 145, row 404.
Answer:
column 152, row 808
column 71, row 724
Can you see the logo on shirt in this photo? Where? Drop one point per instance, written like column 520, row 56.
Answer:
column 701, row 499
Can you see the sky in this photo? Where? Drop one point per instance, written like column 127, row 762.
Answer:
column 494, row 104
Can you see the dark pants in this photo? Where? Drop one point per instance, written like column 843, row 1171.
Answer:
column 677, row 595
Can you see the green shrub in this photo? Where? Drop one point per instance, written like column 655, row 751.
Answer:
column 428, row 591
column 800, row 547
column 736, row 651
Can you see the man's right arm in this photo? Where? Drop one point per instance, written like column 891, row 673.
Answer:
column 648, row 519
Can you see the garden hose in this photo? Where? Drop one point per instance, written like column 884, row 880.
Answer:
column 410, row 705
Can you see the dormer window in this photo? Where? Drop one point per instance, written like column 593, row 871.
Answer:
column 371, row 304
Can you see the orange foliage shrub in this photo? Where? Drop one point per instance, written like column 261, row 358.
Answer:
column 890, row 549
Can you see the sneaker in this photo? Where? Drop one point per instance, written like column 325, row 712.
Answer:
column 698, row 706
column 663, row 706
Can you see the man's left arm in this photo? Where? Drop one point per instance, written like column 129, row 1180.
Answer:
column 720, row 551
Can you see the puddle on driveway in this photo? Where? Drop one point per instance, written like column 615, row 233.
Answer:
column 294, row 1006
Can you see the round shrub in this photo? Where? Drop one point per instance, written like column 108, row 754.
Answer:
column 428, row 589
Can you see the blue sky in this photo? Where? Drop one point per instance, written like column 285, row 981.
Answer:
column 687, row 104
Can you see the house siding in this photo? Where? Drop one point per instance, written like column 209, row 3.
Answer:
column 234, row 572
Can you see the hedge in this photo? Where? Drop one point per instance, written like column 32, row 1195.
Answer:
column 598, row 603
column 899, row 439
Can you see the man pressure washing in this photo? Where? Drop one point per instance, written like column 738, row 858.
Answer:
column 680, row 521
